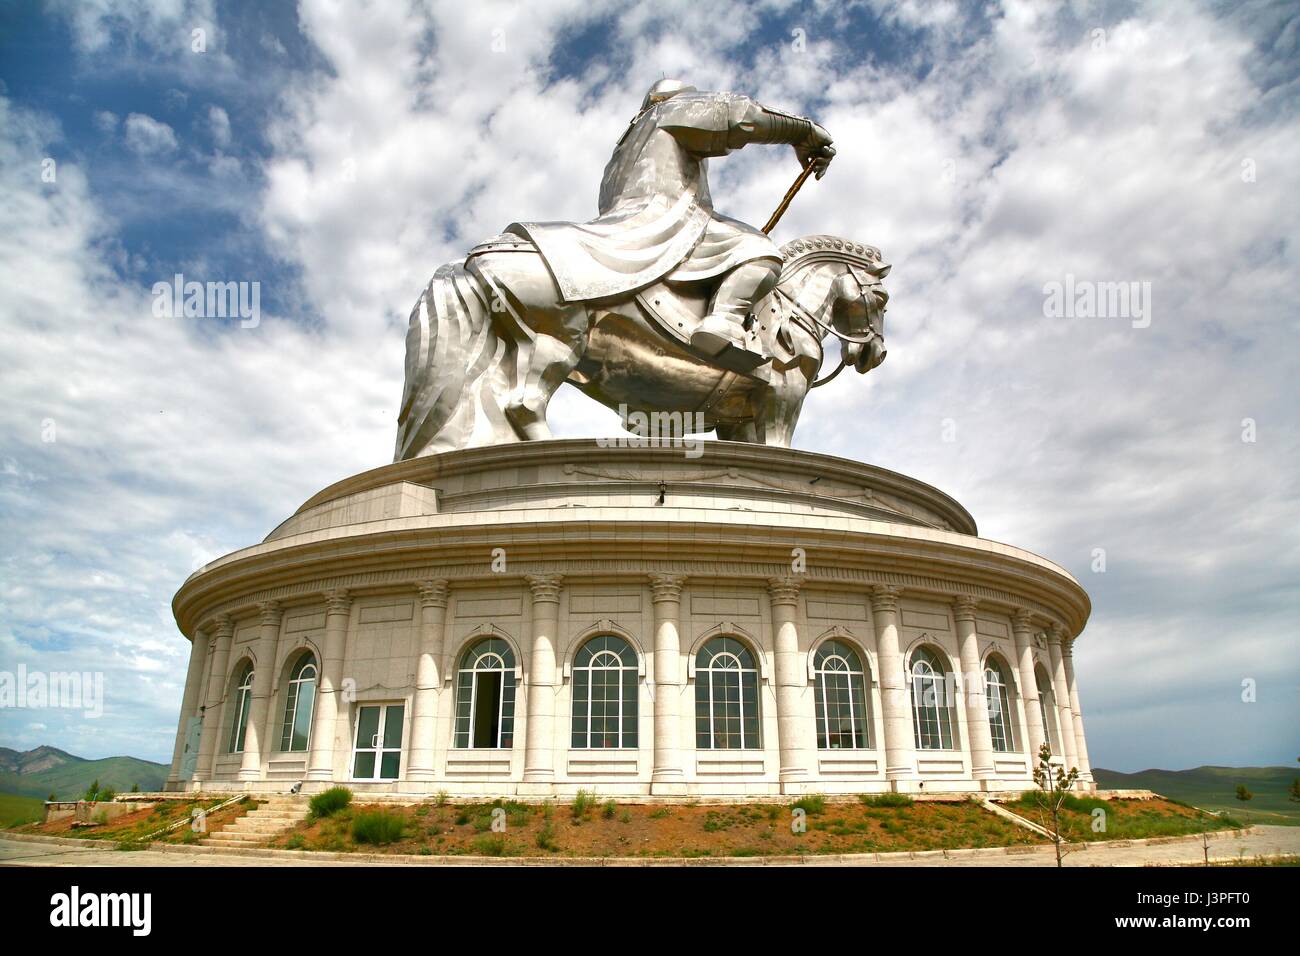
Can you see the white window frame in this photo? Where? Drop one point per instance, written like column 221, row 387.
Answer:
column 305, row 660
column 621, row 668
column 740, row 670
column 858, row 709
column 243, row 703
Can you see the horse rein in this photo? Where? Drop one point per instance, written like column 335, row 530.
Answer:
column 842, row 336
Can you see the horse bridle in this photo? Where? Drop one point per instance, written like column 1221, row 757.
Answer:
column 798, row 312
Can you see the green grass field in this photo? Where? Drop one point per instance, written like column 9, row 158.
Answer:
column 16, row 809
column 1214, row 788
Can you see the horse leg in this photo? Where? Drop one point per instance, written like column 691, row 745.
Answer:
column 546, row 335
column 740, row 431
column 778, row 408
column 541, row 366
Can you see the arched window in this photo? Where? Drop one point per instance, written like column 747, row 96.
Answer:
column 485, row 696
column 726, row 696
column 299, row 701
column 999, row 701
column 1047, row 704
column 841, row 698
column 604, row 694
column 243, row 701
column 931, row 707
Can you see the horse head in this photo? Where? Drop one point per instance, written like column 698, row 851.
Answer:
column 841, row 279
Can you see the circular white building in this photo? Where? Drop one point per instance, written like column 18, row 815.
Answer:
column 713, row 619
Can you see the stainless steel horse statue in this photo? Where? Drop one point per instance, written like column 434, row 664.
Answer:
column 491, row 340
column 659, row 305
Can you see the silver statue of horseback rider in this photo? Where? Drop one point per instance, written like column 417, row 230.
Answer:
column 659, row 306
column 657, row 220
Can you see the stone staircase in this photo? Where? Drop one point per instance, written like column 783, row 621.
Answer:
column 279, row 813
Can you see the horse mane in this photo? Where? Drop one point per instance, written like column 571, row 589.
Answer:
column 799, row 254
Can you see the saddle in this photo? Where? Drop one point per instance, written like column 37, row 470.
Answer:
column 675, row 311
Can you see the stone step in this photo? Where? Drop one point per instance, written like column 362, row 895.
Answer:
column 232, row 843
column 242, row 839
column 276, row 815
column 253, row 829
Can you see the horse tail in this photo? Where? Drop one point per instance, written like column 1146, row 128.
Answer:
column 451, row 351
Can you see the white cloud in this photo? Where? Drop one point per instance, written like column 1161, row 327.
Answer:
column 148, row 136
column 219, row 126
column 106, row 121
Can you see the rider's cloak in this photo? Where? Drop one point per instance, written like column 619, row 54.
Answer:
column 656, row 215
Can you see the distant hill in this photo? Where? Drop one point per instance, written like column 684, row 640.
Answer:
column 46, row 770
column 1214, row 788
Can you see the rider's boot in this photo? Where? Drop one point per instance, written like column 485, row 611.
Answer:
column 725, row 324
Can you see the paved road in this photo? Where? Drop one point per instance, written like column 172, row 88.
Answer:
column 1264, row 841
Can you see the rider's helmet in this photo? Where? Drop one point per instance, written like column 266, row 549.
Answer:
column 663, row 90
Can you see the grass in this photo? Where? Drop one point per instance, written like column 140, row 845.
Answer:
column 1122, row 819
column 378, row 827
column 1214, row 788
column 143, row 825
column 505, row 828
column 16, row 809
column 329, row 802
column 885, row 799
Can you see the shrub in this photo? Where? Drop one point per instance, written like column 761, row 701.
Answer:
column 885, row 799
column 660, row 813
column 713, row 822
column 295, row 842
column 812, row 804
column 1243, row 794
column 546, row 837
column 329, row 802
column 440, row 798
column 625, row 817
column 609, row 810
column 490, row 844
column 377, row 827
column 582, row 802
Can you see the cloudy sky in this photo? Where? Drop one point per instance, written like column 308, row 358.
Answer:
column 338, row 153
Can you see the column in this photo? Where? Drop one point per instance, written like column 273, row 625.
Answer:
column 668, row 776
column 1080, row 745
column 223, row 632
column 256, row 738
column 972, row 677
column 792, row 726
column 325, row 721
column 899, row 744
column 1061, row 691
column 1023, row 629
column 539, row 748
column 428, row 680
column 189, row 701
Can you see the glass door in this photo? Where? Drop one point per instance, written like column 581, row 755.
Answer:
column 377, row 752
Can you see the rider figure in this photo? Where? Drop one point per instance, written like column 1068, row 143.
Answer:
column 656, row 215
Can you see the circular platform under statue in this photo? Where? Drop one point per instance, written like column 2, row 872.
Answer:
column 712, row 618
